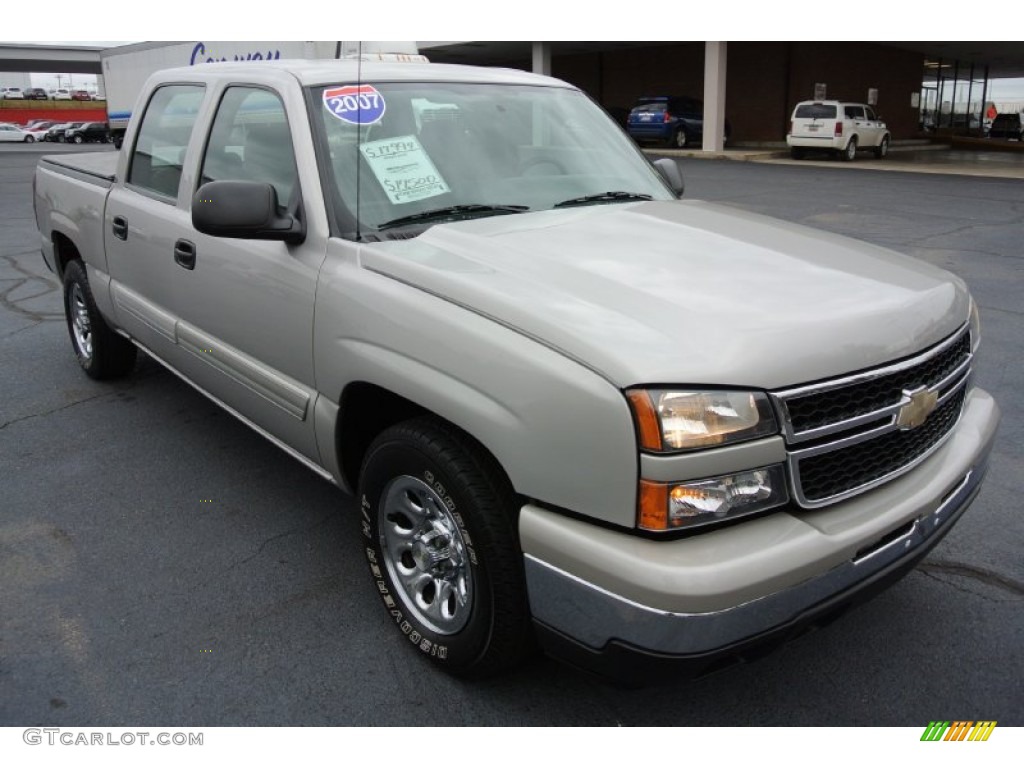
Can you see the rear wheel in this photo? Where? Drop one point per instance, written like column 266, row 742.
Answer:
column 882, row 149
column 850, row 153
column 679, row 139
column 101, row 352
column 796, row 153
column 30, row 139
column 78, row 139
column 439, row 515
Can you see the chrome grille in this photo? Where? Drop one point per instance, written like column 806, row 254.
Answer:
column 844, row 436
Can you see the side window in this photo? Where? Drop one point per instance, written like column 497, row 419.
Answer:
column 870, row 113
column 250, row 141
column 854, row 113
column 163, row 138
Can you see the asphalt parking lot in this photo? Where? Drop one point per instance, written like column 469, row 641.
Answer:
column 126, row 598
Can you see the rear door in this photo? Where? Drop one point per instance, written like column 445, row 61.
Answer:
column 144, row 219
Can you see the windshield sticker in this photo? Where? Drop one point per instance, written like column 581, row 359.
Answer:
column 404, row 169
column 355, row 104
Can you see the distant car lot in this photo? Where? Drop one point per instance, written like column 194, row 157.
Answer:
column 159, row 562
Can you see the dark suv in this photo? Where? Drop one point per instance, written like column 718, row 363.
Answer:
column 1007, row 125
column 88, row 132
column 676, row 121
column 39, row 94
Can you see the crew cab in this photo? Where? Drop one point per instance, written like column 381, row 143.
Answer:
column 571, row 406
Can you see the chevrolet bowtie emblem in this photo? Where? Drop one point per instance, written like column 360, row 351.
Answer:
column 916, row 412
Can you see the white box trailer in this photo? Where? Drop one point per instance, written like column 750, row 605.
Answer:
column 126, row 68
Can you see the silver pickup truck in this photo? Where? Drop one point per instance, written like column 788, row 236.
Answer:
column 573, row 408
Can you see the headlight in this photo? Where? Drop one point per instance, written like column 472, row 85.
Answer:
column 672, row 420
column 673, row 506
column 975, row 326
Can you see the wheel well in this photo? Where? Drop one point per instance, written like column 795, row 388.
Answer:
column 366, row 410
column 64, row 251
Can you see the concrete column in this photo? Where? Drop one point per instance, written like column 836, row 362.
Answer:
column 714, row 96
column 542, row 58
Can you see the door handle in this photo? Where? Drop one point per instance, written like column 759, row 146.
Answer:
column 185, row 254
column 119, row 226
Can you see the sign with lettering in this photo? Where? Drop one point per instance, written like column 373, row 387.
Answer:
column 355, row 104
column 404, row 169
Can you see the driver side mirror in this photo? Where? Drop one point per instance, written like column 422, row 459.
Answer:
column 669, row 170
column 244, row 209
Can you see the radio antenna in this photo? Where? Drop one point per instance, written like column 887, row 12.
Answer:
column 359, row 137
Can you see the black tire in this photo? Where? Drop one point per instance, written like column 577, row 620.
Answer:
column 101, row 352
column 78, row 139
column 850, row 153
column 882, row 150
column 437, row 509
column 796, row 153
column 117, row 140
column 679, row 139
column 30, row 139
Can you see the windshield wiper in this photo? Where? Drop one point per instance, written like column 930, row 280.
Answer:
column 602, row 197
column 451, row 210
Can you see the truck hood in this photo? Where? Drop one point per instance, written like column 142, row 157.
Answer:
column 684, row 292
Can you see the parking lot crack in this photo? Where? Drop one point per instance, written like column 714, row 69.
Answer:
column 266, row 542
column 939, row 569
column 51, row 411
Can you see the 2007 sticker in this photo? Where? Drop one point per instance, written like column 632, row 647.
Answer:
column 355, row 104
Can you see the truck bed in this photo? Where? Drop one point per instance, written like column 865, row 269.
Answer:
column 101, row 166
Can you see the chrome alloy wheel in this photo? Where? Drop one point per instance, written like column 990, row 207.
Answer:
column 81, row 326
column 425, row 555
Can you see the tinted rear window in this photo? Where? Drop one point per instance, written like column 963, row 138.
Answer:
column 816, row 111
column 1006, row 121
column 658, row 106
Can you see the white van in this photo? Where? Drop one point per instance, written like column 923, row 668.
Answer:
column 838, row 127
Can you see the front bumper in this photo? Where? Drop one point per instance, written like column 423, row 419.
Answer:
column 622, row 605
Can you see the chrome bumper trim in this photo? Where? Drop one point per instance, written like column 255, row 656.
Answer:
column 595, row 616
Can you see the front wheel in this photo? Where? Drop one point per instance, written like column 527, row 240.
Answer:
column 850, row 153
column 439, row 518
column 30, row 139
column 101, row 352
column 78, row 139
column 883, row 148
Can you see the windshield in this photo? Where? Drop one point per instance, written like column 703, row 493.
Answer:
column 404, row 156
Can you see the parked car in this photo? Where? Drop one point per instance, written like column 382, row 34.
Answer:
column 572, row 407
column 56, row 132
column 37, row 94
column 10, row 132
column 80, row 96
column 39, row 128
column 1007, row 125
column 32, row 125
column 87, row 132
column 60, row 94
column 12, row 93
column 676, row 121
column 838, row 127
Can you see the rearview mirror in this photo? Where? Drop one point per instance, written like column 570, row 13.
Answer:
column 244, row 209
column 669, row 170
